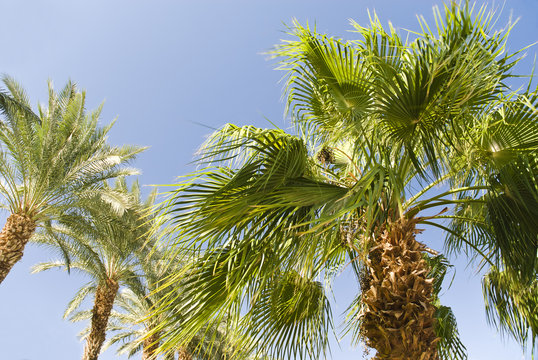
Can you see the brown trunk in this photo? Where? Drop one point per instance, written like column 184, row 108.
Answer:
column 104, row 300
column 13, row 238
column 149, row 347
column 183, row 354
column 398, row 318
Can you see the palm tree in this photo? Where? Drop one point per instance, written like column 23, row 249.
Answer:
column 133, row 330
column 104, row 243
column 130, row 328
column 49, row 161
column 389, row 131
column 133, row 326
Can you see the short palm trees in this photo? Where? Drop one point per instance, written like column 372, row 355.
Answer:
column 383, row 124
column 49, row 160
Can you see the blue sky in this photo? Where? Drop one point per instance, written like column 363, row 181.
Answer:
column 164, row 68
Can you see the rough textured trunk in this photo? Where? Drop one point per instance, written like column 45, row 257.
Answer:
column 104, row 300
column 13, row 238
column 398, row 318
column 183, row 354
column 149, row 347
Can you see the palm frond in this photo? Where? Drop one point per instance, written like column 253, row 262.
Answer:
column 511, row 304
column 50, row 158
column 291, row 318
column 450, row 347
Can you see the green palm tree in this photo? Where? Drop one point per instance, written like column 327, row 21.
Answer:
column 104, row 242
column 511, row 305
column 129, row 327
column 133, row 331
column 392, row 135
column 131, row 324
column 50, row 160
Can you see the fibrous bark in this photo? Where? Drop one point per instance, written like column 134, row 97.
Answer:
column 398, row 317
column 104, row 300
column 183, row 354
column 149, row 347
column 13, row 238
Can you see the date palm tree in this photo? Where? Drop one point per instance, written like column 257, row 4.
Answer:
column 50, row 160
column 132, row 330
column 392, row 134
column 104, row 242
column 131, row 324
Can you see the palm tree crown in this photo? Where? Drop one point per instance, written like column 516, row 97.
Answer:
column 107, row 244
column 382, row 124
column 50, row 161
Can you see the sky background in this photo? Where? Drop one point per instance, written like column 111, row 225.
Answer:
column 170, row 71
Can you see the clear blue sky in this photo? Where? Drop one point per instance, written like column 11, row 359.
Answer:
column 164, row 67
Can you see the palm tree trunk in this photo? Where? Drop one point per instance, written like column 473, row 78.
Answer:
column 104, row 300
column 149, row 347
column 183, row 354
column 13, row 238
column 398, row 317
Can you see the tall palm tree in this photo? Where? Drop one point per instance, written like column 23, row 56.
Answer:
column 49, row 160
column 383, row 124
column 104, row 243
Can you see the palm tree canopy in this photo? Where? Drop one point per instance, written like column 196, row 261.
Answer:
column 103, row 240
column 51, row 158
column 382, row 123
column 106, row 243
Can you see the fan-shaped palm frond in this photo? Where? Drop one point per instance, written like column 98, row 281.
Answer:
column 511, row 304
column 388, row 130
